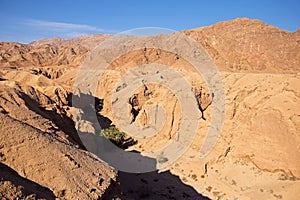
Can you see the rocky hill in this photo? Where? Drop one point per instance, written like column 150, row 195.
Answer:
column 21, row 55
column 87, row 41
column 256, row 155
column 250, row 45
column 238, row 45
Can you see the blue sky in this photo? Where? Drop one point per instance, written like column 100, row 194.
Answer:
column 25, row 21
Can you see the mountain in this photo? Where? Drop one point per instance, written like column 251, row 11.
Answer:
column 256, row 154
column 87, row 41
column 242, row 45
column 250, row 45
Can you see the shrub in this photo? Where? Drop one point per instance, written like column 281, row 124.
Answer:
column 114, row 135
column 194, row 176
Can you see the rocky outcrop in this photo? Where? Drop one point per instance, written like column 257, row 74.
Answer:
column 21, row 55
column 250, row 46
column 39, row 141
column 87, row 41
column 13, row 186
column 242, row 45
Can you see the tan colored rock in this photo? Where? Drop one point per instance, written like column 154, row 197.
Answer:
column 250, row 46
column 258, row 149
column 43, row 146
column 87, row 41
column 15, row 54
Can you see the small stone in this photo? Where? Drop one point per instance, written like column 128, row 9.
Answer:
column 162, row 159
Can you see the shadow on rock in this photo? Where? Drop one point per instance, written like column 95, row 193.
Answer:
column 154, row 185
column 28, row 187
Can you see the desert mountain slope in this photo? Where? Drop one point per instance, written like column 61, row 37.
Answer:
column 256, row 156
column 250, row 46
column 14, row 186
column 87, row 41
column 236, row 45
column 37, row 141
column 20, row 55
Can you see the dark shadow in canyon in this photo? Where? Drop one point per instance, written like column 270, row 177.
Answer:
column 151, row 185
column 154, row 185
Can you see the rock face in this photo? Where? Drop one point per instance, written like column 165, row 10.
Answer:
column 238, row 45
column 256, row 154
column 39, row 142
column 87, row 41
column 13, row 186
column 250, row 46
column 21, row 55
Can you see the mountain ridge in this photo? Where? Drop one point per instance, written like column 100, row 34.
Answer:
column 240, row 45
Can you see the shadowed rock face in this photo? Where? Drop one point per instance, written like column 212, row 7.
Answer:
column 13, row 186
column 256, row 154
column 154, row 185
column 41, row 149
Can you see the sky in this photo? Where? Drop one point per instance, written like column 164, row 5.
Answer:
column 26, row 21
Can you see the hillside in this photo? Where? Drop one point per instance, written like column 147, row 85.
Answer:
column 87, row 41
column 250, row 46
column 242, row 45
column 255, row 156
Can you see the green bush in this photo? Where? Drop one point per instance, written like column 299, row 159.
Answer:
column 114, row 135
